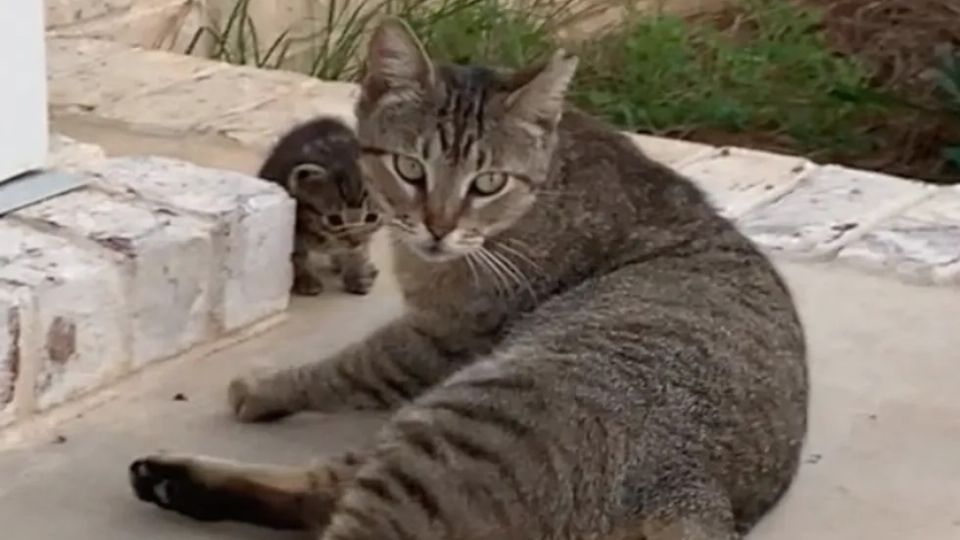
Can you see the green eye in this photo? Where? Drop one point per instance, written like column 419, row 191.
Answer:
column 488, row 184
column 409, row 169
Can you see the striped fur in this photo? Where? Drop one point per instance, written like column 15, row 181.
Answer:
column 316, row 162
column 611, row 360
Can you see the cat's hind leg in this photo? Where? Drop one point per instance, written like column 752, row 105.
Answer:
column 210, row 489
column 680, row 505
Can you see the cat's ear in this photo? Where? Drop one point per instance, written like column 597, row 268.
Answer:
column 303, row 172
column 541, row 90
column 396, row 61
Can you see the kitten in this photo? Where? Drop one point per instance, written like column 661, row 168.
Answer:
column 590, row 350
column 316, row 162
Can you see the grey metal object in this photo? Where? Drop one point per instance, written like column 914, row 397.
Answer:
column 33, row 187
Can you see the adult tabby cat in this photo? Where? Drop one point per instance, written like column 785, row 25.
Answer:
column 316, row 162
column 590, row 351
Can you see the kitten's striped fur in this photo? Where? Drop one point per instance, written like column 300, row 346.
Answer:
column 316, row 162
column 590, row 352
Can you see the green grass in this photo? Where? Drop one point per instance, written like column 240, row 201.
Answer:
column 948, row 84
column 775, row 76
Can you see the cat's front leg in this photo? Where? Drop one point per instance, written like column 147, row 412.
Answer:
column 387, row 369
column 356, row 270
column 306, row 279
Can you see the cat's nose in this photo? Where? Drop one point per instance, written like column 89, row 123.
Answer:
column 439, row 228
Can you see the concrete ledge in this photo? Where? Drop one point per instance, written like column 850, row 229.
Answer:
column 153, row 259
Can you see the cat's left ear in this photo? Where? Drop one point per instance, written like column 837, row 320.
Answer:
column 396, row 61
column 302, row 173
column 542, row 90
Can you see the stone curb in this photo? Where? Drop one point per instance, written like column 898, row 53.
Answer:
column 153, row 258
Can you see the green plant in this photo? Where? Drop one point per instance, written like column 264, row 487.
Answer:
column 458, row 30
column 948, row 83
column 772, row 74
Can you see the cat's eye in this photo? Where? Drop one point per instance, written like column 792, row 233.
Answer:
column 371, row 218
column 488, row 184
column 409, row 169
column 334, row 220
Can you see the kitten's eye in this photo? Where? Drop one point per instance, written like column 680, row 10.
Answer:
column 334, row 220
column 410, row 169
column 489, row 184
column 371, row 218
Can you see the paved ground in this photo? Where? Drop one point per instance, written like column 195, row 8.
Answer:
column 883, row 459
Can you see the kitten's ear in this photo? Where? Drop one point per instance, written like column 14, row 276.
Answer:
column 303, row 172
column 396, row 60
column 542, row 90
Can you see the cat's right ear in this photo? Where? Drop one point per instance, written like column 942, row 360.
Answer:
column 303, row 172
column 396, row 62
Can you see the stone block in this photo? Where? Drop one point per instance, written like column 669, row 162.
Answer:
column 65, row 322
column 167, row 259
column 185, row 105
column 920, row 244
column 261, row 126
column 738, row 180
column 829, row 208
column 672, row 152
column 11, row 308
column 254, row 227
column 91, row 86
column 71, row 155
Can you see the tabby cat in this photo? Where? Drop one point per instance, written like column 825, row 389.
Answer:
column 316, row 162
column 590, row 351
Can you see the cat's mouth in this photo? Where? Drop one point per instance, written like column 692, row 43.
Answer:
column 435, row 251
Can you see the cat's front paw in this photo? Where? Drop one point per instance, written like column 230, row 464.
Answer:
column 305, row 284
column 168, row 483
column 360, row 282
column 250, row 404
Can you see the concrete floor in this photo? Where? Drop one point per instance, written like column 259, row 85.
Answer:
column 883, row 459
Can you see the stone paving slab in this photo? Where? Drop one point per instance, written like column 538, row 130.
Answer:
column 671, row 151
column 738, row 180
column 78, row 84
column 829, row 208
column 921, row 244
column 71, row 155
column 261, row 126
column 194, row 101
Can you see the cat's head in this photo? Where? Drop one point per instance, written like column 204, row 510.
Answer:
column 455, row 154
column 326, row 181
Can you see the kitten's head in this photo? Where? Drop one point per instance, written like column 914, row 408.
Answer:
column 455, row 154
column 325, row 179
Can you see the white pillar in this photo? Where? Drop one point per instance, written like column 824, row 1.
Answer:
column 23, row 89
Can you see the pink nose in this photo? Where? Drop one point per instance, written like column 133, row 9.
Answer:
column 439, row 227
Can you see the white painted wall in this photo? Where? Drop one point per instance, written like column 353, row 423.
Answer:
column 23, row 87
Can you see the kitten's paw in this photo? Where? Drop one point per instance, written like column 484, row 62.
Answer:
column 360, row 282
column 249, row 405
column 167, row 482
column 306, row 285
